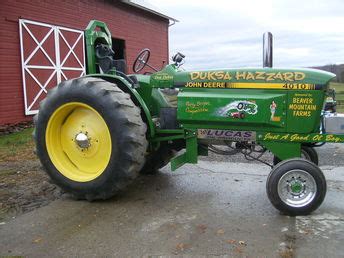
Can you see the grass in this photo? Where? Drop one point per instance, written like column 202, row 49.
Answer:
column 17, row 146
column 339, row 95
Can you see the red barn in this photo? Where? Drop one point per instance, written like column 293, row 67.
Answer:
column 42, row 43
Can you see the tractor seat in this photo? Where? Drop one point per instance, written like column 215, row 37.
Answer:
column 106, row 61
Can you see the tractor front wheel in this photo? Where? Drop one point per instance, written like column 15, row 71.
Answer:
column 296, row 187
column 90, row 138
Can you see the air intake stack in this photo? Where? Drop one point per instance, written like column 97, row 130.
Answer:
column 267, row 49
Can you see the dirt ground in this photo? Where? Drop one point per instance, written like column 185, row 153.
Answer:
column 24, row 186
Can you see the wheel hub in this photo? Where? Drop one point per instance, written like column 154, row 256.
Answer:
column 82, row 140
column 297, row 188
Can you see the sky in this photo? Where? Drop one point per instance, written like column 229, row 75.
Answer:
column 228, row 34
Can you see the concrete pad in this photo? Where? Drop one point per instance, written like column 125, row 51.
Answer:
column 212, row 208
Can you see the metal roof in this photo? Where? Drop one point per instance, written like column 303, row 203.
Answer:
column 144, row 5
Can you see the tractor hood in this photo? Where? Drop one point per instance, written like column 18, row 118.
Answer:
column 272, row 78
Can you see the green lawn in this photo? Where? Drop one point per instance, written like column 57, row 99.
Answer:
column 17, row 146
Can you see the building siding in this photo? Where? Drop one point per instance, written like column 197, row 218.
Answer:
column 138, row 28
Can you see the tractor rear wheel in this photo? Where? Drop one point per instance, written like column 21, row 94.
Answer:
column 296, row 187
column 90, row 138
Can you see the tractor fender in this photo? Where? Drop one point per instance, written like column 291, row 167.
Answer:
column 125, row 86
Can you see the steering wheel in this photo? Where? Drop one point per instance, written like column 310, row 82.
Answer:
column 141, row 60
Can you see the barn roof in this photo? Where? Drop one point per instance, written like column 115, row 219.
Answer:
column 144, row 5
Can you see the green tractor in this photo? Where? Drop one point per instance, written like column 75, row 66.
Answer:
column 96, row 134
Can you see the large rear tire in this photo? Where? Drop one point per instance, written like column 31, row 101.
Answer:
column 90, row 138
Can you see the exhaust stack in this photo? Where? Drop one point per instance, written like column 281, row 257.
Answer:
column 267, row 49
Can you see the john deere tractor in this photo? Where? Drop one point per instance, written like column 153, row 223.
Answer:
column 97, row 133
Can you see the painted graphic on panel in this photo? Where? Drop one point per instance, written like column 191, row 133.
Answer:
column 238, row 109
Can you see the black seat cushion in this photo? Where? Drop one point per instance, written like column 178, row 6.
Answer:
column 106, row 61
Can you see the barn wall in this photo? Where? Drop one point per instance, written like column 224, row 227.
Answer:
column 138, row 28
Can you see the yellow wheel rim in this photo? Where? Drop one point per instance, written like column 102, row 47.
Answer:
column 78, row 142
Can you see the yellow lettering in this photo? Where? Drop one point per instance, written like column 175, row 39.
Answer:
column 317, row 137
column 279, row 76
column 260, row 75
column 203, row 75
column 270, row 76
column 288, row 76
column 240, row 75
column 211, row 76
column 227, row 76
column 299, row 76
column 332, row 138
column 270, row 136
column 194, row 75
column 193, row 84
column 250, row 76
column 219, row 75
column 302, row 113
column 297, row 137
column 285, row 137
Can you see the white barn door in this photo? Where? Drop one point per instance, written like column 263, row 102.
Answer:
column 49, row 54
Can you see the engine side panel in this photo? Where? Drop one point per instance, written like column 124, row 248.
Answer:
column 250, row 109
